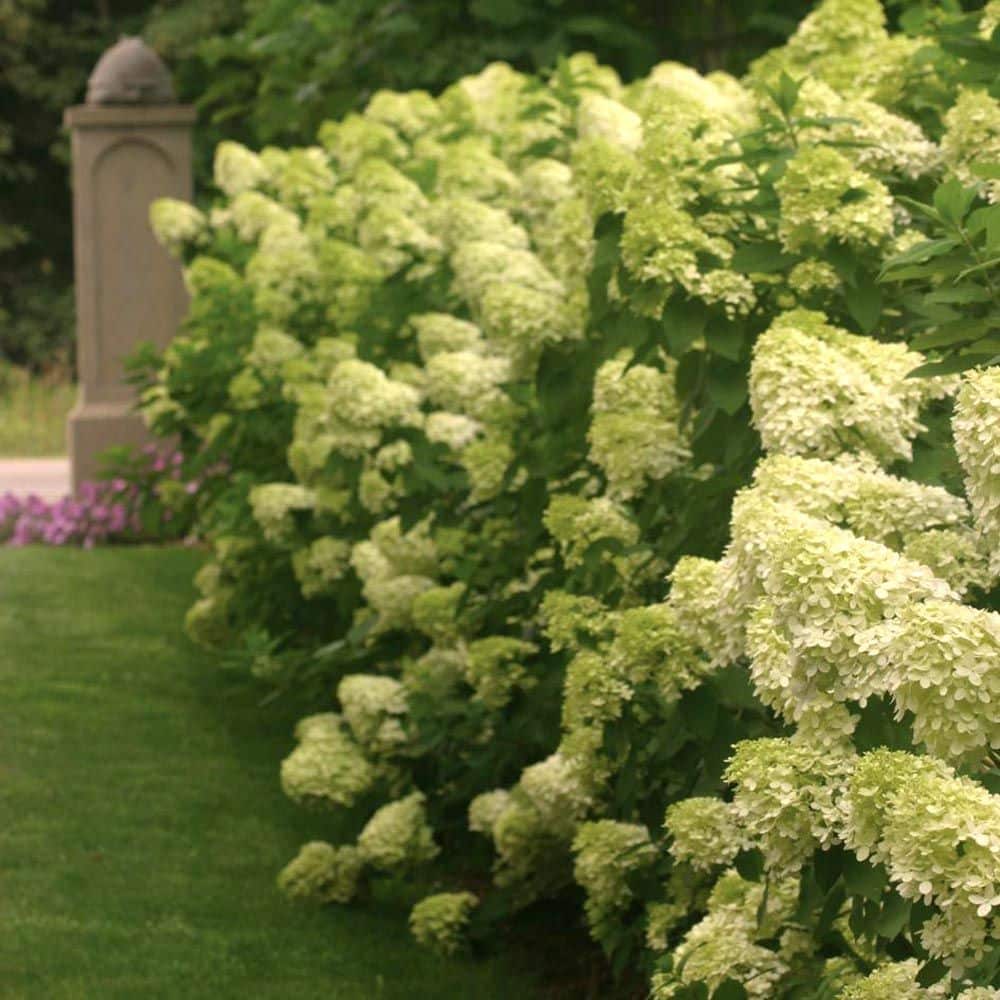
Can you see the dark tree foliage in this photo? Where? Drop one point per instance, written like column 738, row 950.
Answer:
column 47, row 49
column 272, row 70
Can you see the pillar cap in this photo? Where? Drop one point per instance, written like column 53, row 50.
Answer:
column 130, row 72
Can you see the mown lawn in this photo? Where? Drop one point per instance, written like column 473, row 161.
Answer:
column 141, row 820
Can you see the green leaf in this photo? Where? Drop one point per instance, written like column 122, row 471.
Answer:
column 962, row 295
column 951, row 334
column 683, row 324
column 750, row 864
column 760, row 258
column 894, row 917
column 921, row 253
column 727, row 338
column 986, row 169
column 727, row 386
column 864, row 303
column 863, row 879
column 951, row 366
column 986, row 265
column 786, row 94
column 700, row 711
column 953, row 200
column 932, row 972
column 729, row 989
column 927, row 211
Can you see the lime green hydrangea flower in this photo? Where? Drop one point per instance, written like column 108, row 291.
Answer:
column 635, row 433
column 972, row 134
column 237, row 169
column 397, row 836
column 176, row 224
column 703, row 831
column 273, row 505
column 815, row 210
column 817, row 390
column 495, row 668
column 976, row 426
column 327, row 767
column 606, row 854
column 323, row 873
column 319, row 566
column 438, row 922
column 374, row 709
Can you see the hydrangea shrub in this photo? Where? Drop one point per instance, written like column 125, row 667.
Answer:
column 574, row 447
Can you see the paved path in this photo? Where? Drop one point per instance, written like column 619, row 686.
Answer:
column 46, row 477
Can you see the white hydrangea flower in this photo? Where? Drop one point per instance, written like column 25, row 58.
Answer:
column 576, row 523
column 252, row 214
column 485, row 809
column 439, row 333
column 323, row 873
column 852, row 494
column 696, row 601
column 895, row 981
column 410, row 114
column 602, row 118
column 466, row 382
column 479, row 264
column 327, row 767
column 237, row 169
column 972, row 133
column 273, row 505
column 817, row 390
column 397, row 836
column 724, row 944
column 845, row 44
column 282, row 270
column 176, row 224
column 494, row 668
column 635, row 433
column 468, row 168
column 455, row 430
column 439, row 922
column 373, row 708
column 788, row 799
column 558, row 792
column 321, row 565
column 462, row 220
column 939, row 661
column 886, row 142
column 355, row 140
column 814, row 211
column 704, row 832
column 486, row 461
column 813, row 591
column 976, row 426
column 302, row 176
column 607, row 852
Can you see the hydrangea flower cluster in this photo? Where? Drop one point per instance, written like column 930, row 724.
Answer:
column 820, row 391
column 439, row 922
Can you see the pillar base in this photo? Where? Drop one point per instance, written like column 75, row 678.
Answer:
column 92, row 428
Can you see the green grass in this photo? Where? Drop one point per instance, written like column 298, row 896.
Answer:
column 141, row 820
column 33, row 414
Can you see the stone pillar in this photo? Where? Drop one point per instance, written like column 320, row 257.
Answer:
column 131, row 144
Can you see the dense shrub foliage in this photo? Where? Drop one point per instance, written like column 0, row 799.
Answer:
column 575, row 445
